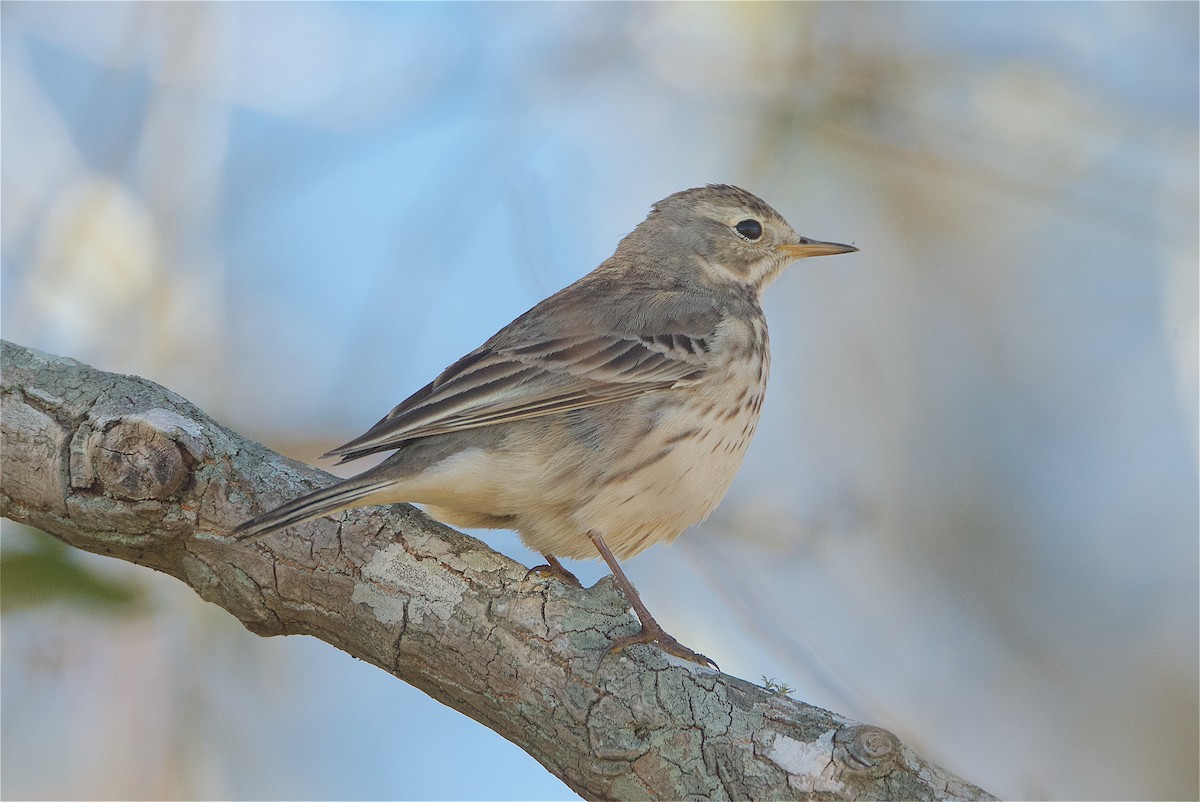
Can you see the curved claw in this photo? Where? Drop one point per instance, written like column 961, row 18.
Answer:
column 657, row 637
column 553, row 568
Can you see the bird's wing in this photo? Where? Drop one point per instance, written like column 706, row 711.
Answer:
column 510, row 379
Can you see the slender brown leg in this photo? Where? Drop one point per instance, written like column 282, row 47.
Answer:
column 554, row 568
column 651, row 631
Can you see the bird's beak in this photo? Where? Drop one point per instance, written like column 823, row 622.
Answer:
column 812, row 247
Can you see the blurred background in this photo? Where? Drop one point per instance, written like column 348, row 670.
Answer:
column 970, row 515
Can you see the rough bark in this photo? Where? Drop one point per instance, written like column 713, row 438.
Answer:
column 118, row 465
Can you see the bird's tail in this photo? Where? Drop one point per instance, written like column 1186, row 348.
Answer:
column 326, row 501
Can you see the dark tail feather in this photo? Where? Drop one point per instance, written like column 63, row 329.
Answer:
column 334, row 498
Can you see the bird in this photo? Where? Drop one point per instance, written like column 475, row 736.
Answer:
column 611, row 416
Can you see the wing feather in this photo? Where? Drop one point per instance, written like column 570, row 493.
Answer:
column 567, row 353
column 498, row 386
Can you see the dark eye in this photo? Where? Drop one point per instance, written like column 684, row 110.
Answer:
column 750, row 229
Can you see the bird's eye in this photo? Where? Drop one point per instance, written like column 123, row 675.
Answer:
column 750, row 229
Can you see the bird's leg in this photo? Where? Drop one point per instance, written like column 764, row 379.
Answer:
column 651, row 631
column 555, row 569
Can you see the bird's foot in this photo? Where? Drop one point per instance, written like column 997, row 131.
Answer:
column 656, row 636
column 553, row 568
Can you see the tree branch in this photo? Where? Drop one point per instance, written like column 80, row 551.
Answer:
column 118, row 465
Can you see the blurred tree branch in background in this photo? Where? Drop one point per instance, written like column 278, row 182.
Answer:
column 118, row 465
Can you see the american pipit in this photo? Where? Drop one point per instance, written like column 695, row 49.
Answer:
column 612, row 415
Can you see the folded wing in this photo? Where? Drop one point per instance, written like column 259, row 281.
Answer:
column 503, row 382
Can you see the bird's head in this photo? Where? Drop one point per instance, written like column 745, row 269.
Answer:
column 732, row 234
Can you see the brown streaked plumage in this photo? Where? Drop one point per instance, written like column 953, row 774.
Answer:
column 611, row 416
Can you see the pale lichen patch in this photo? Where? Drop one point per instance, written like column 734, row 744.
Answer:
column 483, row 561
column 388, row 609
column 393, row 576
column 809, row 765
